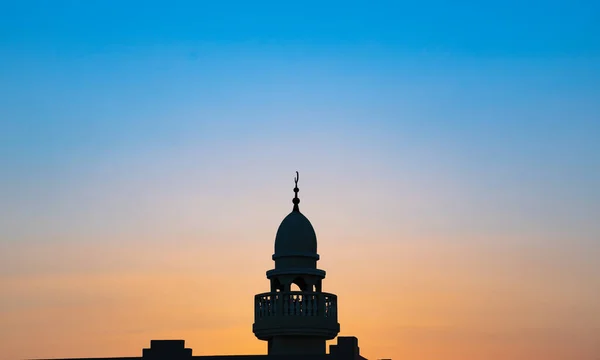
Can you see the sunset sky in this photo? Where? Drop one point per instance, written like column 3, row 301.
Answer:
column 449, row 158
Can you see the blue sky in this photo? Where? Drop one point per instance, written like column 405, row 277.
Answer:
column 505, row 91
column 549, row 28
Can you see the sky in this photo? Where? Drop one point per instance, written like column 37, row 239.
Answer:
column 449, row 159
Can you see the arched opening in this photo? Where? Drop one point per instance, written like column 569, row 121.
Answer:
column 299, row 284
column 276, row 285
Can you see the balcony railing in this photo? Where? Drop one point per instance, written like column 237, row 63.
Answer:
column 295, row 303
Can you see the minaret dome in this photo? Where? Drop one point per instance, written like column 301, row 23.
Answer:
column 296, row 240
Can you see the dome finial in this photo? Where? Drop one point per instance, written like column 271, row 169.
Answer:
column 296, row 201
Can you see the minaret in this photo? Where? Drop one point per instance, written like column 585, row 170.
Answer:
column 295, row 322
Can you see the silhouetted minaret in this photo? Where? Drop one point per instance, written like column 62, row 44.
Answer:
column 295, row 322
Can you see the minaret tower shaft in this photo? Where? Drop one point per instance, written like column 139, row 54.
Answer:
column 295, row 322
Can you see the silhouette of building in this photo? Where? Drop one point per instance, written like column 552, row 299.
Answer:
column 295, row 324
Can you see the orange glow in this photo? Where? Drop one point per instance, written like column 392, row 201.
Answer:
column 418, row 302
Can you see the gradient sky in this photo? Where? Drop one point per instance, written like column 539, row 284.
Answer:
column 449, row 155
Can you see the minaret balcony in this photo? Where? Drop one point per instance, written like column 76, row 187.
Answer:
column 295, row 313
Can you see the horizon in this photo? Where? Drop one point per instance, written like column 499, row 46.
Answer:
column 449, row 154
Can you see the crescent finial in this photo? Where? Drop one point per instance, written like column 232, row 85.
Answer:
column 296, row 200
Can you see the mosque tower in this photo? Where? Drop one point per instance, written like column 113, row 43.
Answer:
column 295, row 322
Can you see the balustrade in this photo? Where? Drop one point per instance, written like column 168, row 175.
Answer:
column 295, row 303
